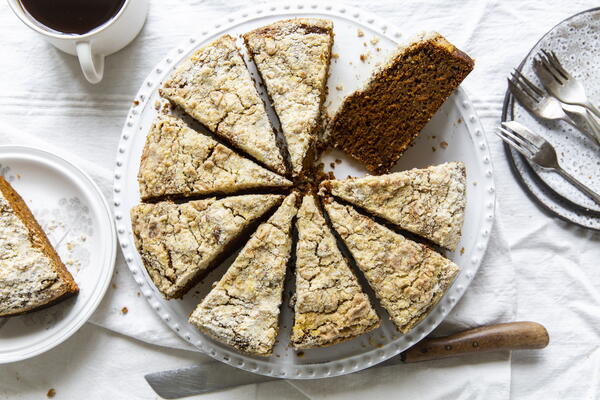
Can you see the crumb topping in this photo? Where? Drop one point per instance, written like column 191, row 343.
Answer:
column 178, row 160
column 330, row 305
column 180, row 242
column 243, row 308
column 214, row 87
column 293, row 58
column 407, row 277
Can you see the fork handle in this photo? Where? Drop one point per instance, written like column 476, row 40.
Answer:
column 587, row 191
column 590, row 120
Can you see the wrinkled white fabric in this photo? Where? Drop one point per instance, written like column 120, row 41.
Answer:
column 536, row 267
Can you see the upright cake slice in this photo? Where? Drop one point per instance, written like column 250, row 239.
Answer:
column 32, row 276
column 429, row 202
column 178, row 161
column 214, row 87
column 330, row 304
column 293, row 57
column 180, row 243
column 408, row 278
column 376, row 125
column 242, row 310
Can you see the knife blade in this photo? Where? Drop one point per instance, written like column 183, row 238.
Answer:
column 199, row 379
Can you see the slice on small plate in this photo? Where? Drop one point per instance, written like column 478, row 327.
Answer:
column 292, row 57
column 179, row 161
column 180, row 243
column 330, row 306
column 214, row 86
column 428, row 202
column 242, row 310
column 408, row 278
column 32, row 275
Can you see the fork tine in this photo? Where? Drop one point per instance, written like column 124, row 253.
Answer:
column 520, row 138
column 522, row 78
column 522, row 87
column 510, row 141
column 523, row 97
column 547, row 64
column 522, row 131
column 556, row 63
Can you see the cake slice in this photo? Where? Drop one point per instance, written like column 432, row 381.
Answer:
column 32, row 276
column 180, row 243
column 214, row 86
column 242, row 310
column 178, row 161
column 293, row 58
column 428, row 202
column 408, row 278
column 376, row 125
column 330, row 305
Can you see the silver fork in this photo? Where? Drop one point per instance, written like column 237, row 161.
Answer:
column 537, row 149
column 562, row 84
column 538, row 102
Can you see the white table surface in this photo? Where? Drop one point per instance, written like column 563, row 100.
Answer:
column 539, row 268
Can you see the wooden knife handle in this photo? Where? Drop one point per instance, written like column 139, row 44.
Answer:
column 509, row 336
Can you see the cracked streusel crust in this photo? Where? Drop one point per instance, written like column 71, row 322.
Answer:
column 32, row 275
column 178, row 161
column 293, row 58
column 214, row 86
column 429, row 202
column 180, row 243
column 330, row 305
column 408, row 278
column 242, row 310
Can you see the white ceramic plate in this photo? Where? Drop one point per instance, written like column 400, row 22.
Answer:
column 75, row 216
column 575, row 42
column 456, row 125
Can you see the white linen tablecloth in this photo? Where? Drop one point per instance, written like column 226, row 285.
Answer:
column 537, row 267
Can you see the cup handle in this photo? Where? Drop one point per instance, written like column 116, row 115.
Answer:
column 91, row 65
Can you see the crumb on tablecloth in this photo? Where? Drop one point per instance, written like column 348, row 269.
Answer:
column 444, row 145
column 360, row 33
column 51, row 393
column 124, row 310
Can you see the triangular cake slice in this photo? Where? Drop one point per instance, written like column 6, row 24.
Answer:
column 214, row 86
column 429, row 202
column 179, row 161
column 293, row 59
column 408, row 278
column 376, row 124
column 180, row 243
column 32, row 276
column 330, row 306
column 242, row 310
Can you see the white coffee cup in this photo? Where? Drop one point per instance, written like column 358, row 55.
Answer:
column 92, row 47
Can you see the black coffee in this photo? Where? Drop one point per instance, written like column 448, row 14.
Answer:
column 72, row 16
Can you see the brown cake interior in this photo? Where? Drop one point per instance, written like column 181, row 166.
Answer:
column 376, row 125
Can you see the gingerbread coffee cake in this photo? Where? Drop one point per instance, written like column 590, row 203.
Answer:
column 376, row 124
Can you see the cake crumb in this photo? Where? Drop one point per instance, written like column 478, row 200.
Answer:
column 124, row 310
column 332, row 165
column 70, row 246
column 136, row 103
column 300, row 354
column 157, row 105
column 462, row 251
column 360, row 33
column 338, row 161
column 363, row 57
column 114, row 285
column 339, row 87
column 137, row 294
column 51, row 393
column 374, row 41
column 18, row 176
column 378, row 49
column 433, row 148
column 459, row 120
column 335, row 56
column 444, row 145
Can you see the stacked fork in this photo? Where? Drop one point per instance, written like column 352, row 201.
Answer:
column 564, row 100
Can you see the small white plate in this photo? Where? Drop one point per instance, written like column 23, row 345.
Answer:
column 454, row 133
column 75, row 216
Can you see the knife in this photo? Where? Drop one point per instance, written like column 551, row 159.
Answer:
column 198, row 379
